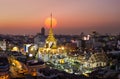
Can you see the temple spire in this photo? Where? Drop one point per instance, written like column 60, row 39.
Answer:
column 51, row 29
column 51, row 21
column 51, row 41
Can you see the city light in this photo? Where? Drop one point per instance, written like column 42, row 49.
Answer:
column 30, row 55
column 77, row 39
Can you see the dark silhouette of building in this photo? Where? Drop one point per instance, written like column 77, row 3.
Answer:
column 43, row 31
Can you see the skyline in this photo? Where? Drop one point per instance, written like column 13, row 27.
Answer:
column 27, row 17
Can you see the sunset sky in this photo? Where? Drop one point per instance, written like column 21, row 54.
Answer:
column 73, row 16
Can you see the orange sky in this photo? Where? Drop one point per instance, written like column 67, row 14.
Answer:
column 73, row 16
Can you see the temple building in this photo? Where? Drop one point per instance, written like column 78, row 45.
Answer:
column 51, row 42
column 50, row 45
column 97, row 60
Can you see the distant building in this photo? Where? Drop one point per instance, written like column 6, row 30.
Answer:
column 43, row 31
column 39, row 39
column 118, row 44
column 3, row 45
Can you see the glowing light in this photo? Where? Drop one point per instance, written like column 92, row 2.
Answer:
column 15, row 49
column 86, row 74
column 61, row 61
column 30, row 55
column 62, row 48
column 48, row 22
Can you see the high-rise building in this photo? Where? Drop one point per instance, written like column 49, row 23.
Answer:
column 43, row 31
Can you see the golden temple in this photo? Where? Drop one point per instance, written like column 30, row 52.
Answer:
column 51, row 42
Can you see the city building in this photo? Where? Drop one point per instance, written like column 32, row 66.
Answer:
column 3, row 45
column 43, row 31
column 39, row 39
column 97, row 60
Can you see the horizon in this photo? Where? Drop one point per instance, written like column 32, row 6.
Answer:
column 73, row 17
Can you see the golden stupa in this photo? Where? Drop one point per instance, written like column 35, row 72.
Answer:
column 51, row 42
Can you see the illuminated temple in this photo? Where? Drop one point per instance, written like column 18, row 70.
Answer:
column 51, row 41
